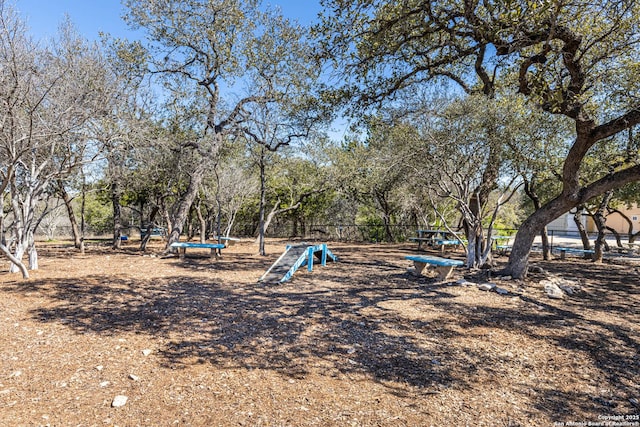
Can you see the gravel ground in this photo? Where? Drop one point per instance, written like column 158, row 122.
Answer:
column 360, row 342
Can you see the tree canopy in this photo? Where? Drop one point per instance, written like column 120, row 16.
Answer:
column 220, row 113
column 570, row 58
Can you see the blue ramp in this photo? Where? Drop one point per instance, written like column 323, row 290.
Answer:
column 294, row 257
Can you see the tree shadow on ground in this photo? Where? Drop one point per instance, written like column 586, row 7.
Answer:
column 346, row 324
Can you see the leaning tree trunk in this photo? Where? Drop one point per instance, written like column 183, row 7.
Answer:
column 150, row 225
column 15, row 261
column 577, row 219
column 616, row 235
column 631, row 235
column 184, row 204
column 519, row 258
column 530, row 190
column 75, row 229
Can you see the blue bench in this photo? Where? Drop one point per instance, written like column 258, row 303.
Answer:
column 444, row 266
column 182, row 247
column 563, row 251
column 442, row 244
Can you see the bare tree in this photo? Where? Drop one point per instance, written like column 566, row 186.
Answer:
column 47, row 96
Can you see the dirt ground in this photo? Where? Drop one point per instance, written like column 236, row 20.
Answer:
column 360, row 342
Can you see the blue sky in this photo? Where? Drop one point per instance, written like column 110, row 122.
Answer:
column 92, row 16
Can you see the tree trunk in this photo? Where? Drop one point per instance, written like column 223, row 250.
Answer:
column 630, row 235
column 83, row 205
column 530, row 191
column 546, row 248
column 572, row 195
column 230, row 223
column 472, row 249
column 519, row 258
column 149, row 225
column 584, row 236
column 18, row 254
column 184, row 204
column 387, row 228
column 32, row 251
column 600, row 220
column 117, row 216
column 218, row 224
column 477, row 202
column 19, row 266
column 616, row 235
column 75, row 230
column 263, row 196
column 264, row 224
column 202, row 221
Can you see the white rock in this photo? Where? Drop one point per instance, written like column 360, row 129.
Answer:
column 553, row 291
column 146, row 352
column 134, row 377
column 119, row 401
column 104, row 383
column 486, row 286
column 99, row 368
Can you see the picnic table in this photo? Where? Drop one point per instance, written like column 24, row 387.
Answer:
column 563, row 251
column 443, row 244
column 156, row 231
column 501, row 244
column 430, row 237
column 227, row 241
column 182, row 248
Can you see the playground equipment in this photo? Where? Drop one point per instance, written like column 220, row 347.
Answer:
column 294, row 257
